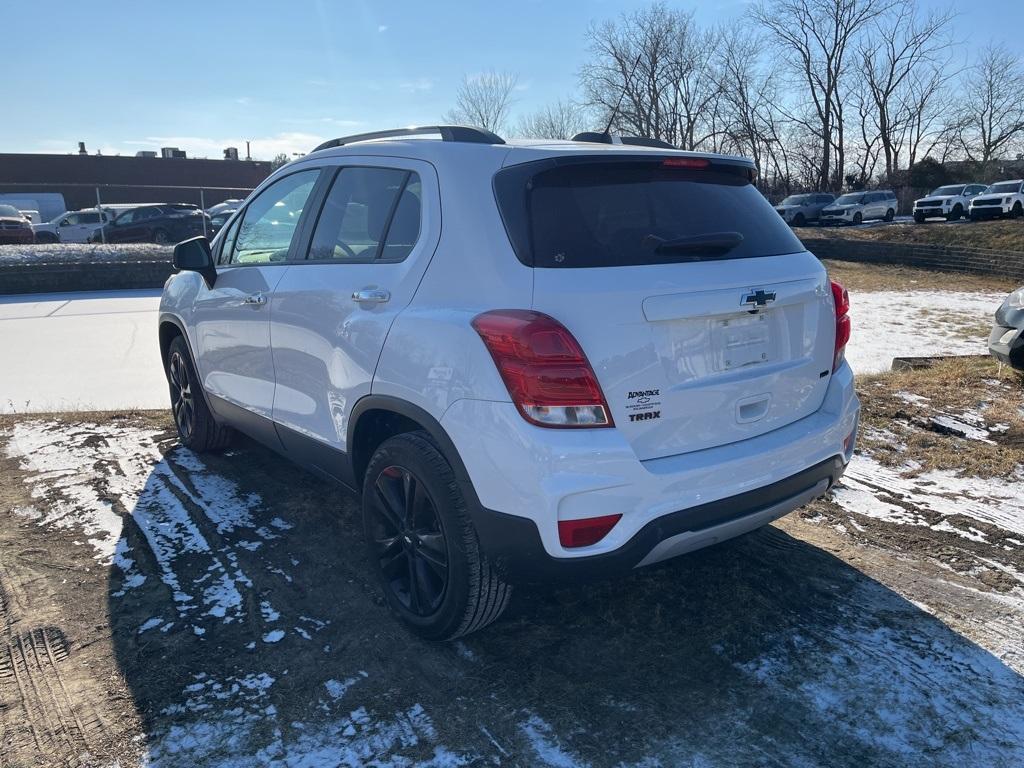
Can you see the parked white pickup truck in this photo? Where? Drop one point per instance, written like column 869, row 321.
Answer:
column 72, row 226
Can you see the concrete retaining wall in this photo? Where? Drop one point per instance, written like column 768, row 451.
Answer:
column 976, row 260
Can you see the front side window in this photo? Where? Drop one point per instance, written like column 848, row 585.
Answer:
column 125, row 218
column 88, row 218
column 270, row 221
column 71, row 220
column 369, row 214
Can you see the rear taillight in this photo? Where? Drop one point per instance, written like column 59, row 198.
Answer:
column 842, row 302
column 544, row 368
column 583, row 533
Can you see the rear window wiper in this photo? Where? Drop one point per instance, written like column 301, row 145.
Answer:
column 716, row 242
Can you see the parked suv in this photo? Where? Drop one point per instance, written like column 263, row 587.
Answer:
column 798, row 210
column 1005, row 198
column 855, row 207
column 1006, row 342
column 609, row 355
column 162, row 224
column 950, row 202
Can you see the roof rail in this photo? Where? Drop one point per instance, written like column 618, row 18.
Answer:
column 609, row 138
column 460, row 133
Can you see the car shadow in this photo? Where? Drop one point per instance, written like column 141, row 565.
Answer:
column 250, row 632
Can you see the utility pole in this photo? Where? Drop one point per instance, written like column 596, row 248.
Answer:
column 248, row 156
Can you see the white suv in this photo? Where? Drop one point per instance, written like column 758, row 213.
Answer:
column 1004, row 198
column 950, row 202
column 530, row 359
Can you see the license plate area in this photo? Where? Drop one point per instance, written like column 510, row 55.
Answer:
column 742, row 341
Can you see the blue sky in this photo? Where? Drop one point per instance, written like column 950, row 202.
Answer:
column 125, row 76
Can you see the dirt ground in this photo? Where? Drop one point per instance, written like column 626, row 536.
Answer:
column 858, row 277
column 1000, row 235
column 217, row 611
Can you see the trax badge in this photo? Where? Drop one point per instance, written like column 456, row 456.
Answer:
column 758, row 298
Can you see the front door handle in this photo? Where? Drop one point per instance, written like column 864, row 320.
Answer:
column 371, row 296
column 255, row 299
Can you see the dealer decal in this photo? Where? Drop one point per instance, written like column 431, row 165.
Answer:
column 643, row 404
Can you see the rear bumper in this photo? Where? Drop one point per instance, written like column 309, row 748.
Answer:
column 528, row 478
column 514, row 544
column 1007, row 345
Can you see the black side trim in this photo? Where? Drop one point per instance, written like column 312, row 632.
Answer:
column 513, row 543
column 318, row 457
column 259, row 428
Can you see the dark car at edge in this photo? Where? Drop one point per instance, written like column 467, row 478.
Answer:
column 164, row 224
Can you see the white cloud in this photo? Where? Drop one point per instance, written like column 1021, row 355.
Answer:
column 419, row 85
column 382, row 28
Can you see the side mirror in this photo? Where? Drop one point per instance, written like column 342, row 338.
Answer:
column 194, row 255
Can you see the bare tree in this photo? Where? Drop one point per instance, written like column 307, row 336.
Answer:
column 990, row 121
column 654, row 67
column 560, row 120
column 750, row 94
column 901, row 51
column 815, row 38
column 484, row 100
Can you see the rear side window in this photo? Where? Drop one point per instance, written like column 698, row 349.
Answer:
column 370, row 214
column 610, row 214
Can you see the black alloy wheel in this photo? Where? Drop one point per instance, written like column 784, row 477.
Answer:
column 408, row 540
column 182, row 403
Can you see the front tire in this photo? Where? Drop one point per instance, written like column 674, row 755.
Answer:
column 857, row 218
column 956, row 213
column 423, row 545
column 197, row 429
column 1017, row 211
column 799, row 220
column 161, row 237
column 919, row 218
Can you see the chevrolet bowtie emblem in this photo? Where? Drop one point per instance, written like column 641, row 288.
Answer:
column 758, row 298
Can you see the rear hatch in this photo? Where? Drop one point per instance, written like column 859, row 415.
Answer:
column 704, row 318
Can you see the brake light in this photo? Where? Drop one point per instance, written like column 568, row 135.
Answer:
column 547, row 375
column 686, row 162
column 583, row 533
column 842, row 301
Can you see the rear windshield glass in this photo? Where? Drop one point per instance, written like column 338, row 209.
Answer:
column 601, row 214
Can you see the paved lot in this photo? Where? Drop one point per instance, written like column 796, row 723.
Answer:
column 80, row 351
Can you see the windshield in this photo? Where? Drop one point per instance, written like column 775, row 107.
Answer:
column 10, row 210
column 954, row 190
column 1005, row 186
column 611, row 214
column 853, row 199
column 796, row 200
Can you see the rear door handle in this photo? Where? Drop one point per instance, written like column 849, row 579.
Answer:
column 371, row 296
column 256, row 299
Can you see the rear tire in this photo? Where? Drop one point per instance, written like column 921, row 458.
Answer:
column 425, row 551
column 890, row 215
column 197, row 429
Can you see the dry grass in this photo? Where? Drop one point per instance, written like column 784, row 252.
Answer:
column 1002, row 235
column 857, row 276
column 898, row 430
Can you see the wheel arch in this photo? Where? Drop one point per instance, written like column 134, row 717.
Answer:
column 375, row 418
